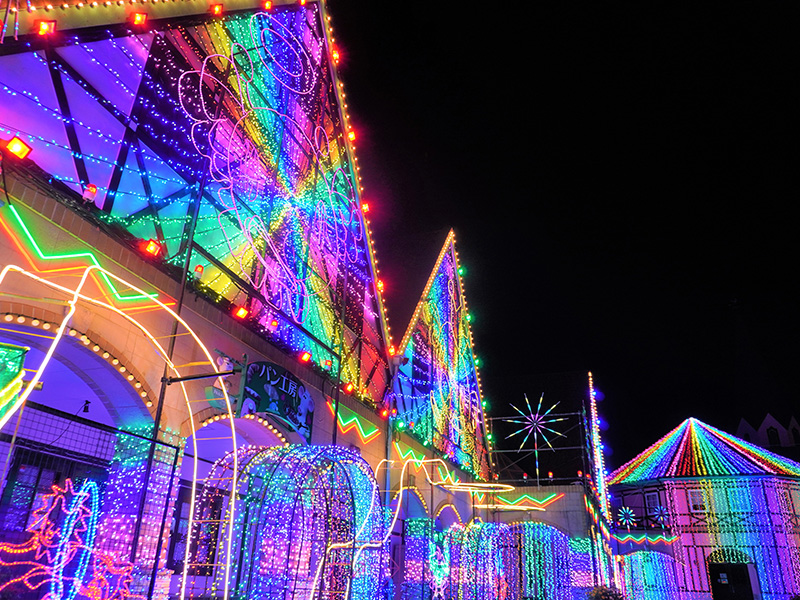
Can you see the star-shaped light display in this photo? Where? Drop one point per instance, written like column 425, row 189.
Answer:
column 536, row 424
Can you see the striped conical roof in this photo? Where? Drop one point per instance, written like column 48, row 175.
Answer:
column 694, row 449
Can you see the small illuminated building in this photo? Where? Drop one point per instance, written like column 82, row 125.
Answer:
column 779, row 435
column 702, row 514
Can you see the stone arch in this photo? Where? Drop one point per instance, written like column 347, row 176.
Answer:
column 83, row 364
column 447, row 515
column 84, row 302
column 411, row 503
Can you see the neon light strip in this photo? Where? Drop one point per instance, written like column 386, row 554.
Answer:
column 90, row 257
column 445, row 477
column 409, row 451
column 76, row 295
column 646, row 538
column 354, row 421
column 542, row 503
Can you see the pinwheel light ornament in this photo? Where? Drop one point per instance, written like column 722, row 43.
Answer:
column 661, row 515
column 536, row 424
column 626, row 517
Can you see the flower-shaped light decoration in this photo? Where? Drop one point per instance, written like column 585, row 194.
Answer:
column 286, row 202
column 627, row 518
column 661, row 515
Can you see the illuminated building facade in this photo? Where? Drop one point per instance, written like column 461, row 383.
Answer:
column 703, row 514
column 199, row 392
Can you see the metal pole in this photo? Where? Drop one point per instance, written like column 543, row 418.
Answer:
column 164, row 378
column 341, row 358
column 160, row 543
column 171, row 349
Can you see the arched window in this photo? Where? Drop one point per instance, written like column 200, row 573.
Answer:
column 772, row 437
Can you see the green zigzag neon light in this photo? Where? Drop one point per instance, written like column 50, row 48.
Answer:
column 87, row 255
column 354, row 421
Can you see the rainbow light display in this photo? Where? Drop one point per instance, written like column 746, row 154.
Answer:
column 752, row 518
column 545, row 562
column 694, row 449
column 648, row 576
column 308, row 522
column 437, row 389
column 228, row 130
column 727, row 501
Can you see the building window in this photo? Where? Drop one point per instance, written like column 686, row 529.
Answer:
column 697, row 502
column 651, row 502
column 772, row 437
column 786, row 501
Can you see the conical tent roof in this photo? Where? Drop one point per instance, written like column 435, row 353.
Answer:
column 694, row 449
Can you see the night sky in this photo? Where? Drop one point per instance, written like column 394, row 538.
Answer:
column 620, row 184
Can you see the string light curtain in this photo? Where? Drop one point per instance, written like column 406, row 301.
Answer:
column 648, row 576
column 309, row 524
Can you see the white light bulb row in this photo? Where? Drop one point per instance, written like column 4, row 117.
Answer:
column 96, row 348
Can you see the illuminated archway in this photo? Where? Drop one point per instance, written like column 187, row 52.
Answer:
column 71, row 475
column 83, row 296
column 305, row 517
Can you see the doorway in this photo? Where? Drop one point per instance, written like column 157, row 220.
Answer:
column 731, row 581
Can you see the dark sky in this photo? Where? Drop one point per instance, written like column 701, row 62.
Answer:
column 620, row 182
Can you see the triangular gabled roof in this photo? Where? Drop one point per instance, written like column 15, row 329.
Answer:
column 694, row 449
column 448, row 250
column 437, row 386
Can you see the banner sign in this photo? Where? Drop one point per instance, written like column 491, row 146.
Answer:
column 271, row 389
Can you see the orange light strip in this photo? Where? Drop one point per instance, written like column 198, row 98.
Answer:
column 81, row 257
column 76, row 296
column 353, row 422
